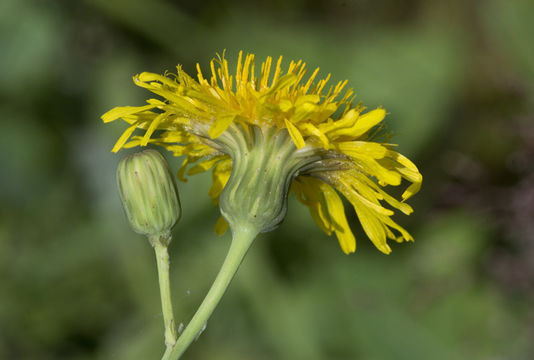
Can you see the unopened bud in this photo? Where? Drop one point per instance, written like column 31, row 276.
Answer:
column 148, row 193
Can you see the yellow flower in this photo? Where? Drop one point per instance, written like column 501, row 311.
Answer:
column 287, row 132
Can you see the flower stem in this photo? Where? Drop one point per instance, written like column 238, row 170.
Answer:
column 242, row 239
column 162, row 259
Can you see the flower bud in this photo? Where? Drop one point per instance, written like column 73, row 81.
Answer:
column 149, row 194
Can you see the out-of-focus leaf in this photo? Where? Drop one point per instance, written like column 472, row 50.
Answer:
column 31, row 35
column 26, row 157
column 511, row 27
column 448, row 247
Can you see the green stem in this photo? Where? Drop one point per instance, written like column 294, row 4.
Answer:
column 162, row 259
column 242, row 239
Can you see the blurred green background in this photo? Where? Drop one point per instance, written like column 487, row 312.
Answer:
column 457, row 78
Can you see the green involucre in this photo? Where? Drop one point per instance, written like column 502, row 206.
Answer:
column 265, row 162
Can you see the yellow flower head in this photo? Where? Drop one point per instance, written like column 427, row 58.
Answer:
column 262, row 135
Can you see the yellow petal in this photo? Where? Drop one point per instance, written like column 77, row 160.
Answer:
column 373, row 227
column 351, row 189
column 312, row 130
column 405, row 234
column 121, row 111
column 367, row 121
column 374, row 168
column 307, row 99
column 295, row 134
column 347, row 121
column 205, row 165
column 219, row 180
column 136, row 140
column 405, row 208
column 285, row 105
column 303, row 112
column 356, row 148
column 408, row 171
column 408, row 168
column 177, row 150
column 220, row 125
column 411, row 190
column 346, row 238
column 221, row 226
column 181, row 171
column 284, row 82
column 309, row 193
column 149, row 77
column 153, row 126
column 373, row 206
column 124, row 137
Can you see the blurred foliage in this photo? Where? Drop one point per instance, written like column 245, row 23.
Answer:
column 457, row 79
